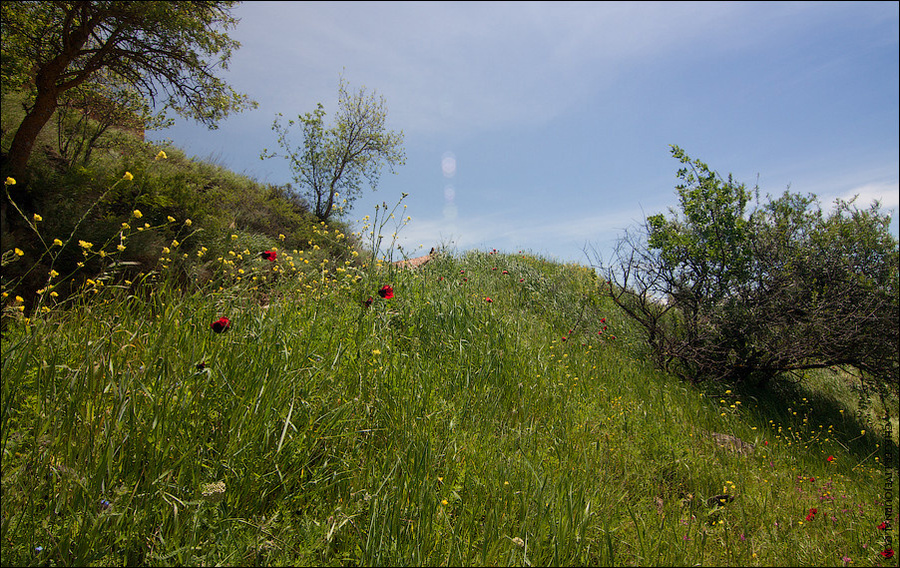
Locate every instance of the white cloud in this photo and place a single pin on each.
(887, 193)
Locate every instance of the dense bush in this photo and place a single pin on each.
(727, 294)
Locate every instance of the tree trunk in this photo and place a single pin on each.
(23, 142)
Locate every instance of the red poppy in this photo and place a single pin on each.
(564, 338)
(830, 458)
(488, 300)
(883, 526)
(269, 255)
(812, 514)
(368, 302)
(602, 320)
(505, 272)
(220, 325)
(887, 553)
(521, 280)
(386, 292)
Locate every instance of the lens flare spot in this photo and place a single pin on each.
(448, 164)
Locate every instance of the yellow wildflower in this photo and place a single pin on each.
(19, 252)
(128, 176)
(187, 222)
(85, 245)
(121, 247)
(137, 213)
(10, 181)
(171, 219)
(54, 274)
(38, 218)
(57, 242)
(161, 155)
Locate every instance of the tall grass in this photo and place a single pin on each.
(495, 411)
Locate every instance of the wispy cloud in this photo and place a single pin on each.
(459, 66)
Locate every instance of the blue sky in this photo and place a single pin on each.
(558, 116)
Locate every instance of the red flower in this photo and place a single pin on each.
(386, 292)
(505, 272)
(830, 458)
(812, 514)
(220, 325)
(521, 280)
(368, 302)
(564, 338)
(887, 553)
(269, 255)
(602, 320)
(883, 526)
(488, 300)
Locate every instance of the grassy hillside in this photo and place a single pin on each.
(493, 411)
(485, 409)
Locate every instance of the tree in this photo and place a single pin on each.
(336, 161)
(85, 113)
(166, 50)
(727, 294)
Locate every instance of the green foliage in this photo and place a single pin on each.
(333, 163)
(176, 197)
(732, 295)
(161, 52)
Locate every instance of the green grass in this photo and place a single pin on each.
(432, 428)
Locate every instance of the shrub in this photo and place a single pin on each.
(737, 297)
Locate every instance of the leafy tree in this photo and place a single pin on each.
(168, 49)
(336, 161)
(727, 294)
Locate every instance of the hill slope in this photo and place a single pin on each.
(490, 409)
